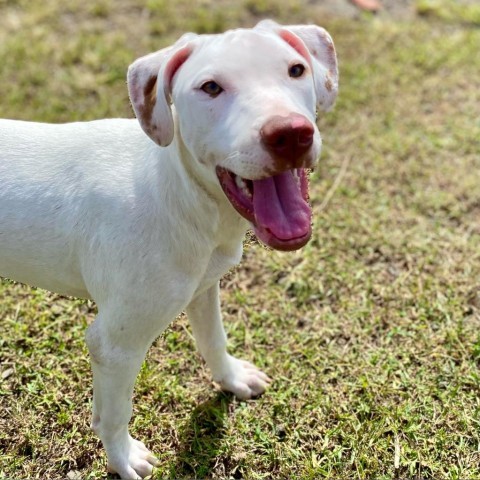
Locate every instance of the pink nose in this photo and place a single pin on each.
(287, 137)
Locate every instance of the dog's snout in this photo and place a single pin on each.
(287, 137)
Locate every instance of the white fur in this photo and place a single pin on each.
(97, 210)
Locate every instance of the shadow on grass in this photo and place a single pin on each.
(202, 446)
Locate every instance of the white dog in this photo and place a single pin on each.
(147, 228)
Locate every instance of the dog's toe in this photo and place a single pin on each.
(244, 379)
(137, 463)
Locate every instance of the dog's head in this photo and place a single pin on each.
(246, 104)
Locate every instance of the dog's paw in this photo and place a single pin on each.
(137, 463)
(243, 379)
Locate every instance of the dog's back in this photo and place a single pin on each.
(47, 174)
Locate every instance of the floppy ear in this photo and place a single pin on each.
(322, 57)
(149, 82)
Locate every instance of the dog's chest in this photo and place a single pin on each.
(221, 261)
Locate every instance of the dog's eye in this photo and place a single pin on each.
(296, 70)
(212, 88)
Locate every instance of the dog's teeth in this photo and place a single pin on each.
(240, 182)
(296, 176)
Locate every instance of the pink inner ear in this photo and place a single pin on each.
(174, 64)
(297, 44)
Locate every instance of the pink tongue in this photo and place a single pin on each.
(280, 208)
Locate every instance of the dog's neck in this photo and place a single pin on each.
(199, 199)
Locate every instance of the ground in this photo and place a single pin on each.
(371, 332)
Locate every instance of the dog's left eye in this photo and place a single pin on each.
(296, 70)
(212, 88)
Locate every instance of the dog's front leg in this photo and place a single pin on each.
(234, 375)
(117, 354)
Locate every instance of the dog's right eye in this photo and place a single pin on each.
(296, 71)
(212, 88)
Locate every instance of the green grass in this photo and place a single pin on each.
(371, 332)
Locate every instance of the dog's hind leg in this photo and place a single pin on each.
(234, 375)
(117, 350)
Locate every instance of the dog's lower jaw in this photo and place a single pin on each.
(276, 206)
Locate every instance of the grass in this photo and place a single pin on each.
(371, 332)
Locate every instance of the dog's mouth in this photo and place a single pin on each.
(277, 206)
